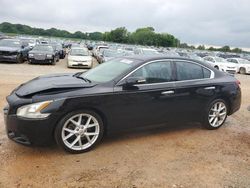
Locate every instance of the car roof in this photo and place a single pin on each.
(154, 57)
(146, 58)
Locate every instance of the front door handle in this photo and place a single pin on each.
(167, 92)
(209, 88)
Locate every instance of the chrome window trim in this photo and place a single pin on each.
(170, 60)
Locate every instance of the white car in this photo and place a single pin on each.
(80, 58)
(243, 65)
(221, 64)
(146, 51)
(97, 49)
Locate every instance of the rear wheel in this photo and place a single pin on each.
(242, 70)
(79, 131)
(216, 114)
(216, 67)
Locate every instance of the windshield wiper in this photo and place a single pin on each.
(85, 79)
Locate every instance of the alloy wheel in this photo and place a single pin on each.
(80, 131)
(217, 114)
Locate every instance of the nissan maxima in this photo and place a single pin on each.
(76, 110)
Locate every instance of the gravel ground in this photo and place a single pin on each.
(180, 156)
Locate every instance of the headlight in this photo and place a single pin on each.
(49, 56)
(33, 111)
(31, 55)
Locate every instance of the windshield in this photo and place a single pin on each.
(218, 59)
(109, 70)
(79, 52)
(43, 48)
(10, 43)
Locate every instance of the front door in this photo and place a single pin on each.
(148, 103)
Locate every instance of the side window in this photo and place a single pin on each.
(155, 72)
(190, 71)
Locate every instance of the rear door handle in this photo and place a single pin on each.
(167, 92)
(209, 88)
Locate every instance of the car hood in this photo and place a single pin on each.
(80, 58)
(40, 52)
(227, 64)
(52, 84)
(9, 49)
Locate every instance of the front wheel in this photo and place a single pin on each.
(242, 70)
(216, 114)
(79, 131)
(20, 59)
(53, 61)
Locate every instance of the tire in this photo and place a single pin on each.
(242, 70)
(54, 61)
(216, 114)
(78, 138)
(20, 59)
(217, 67)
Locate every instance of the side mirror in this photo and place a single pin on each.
(131, 81)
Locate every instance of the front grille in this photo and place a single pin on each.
(80, 65)
(231, 71)
(79, 61)
(40, 57)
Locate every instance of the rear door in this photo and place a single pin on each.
(193, 89)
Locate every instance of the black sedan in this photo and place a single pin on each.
(43, 54)
(76, 110)
(12, 50)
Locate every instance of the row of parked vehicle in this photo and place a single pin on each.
(81, 53)
(227, 62)
(34, 51)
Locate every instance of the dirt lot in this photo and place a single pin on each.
(183, 156)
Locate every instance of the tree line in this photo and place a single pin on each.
(202, 47)
(142, 36)
(6, 27)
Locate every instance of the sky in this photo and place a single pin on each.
(209, 22)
